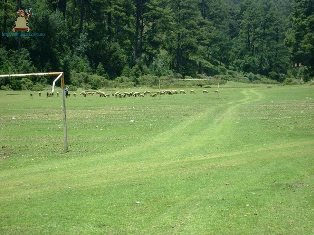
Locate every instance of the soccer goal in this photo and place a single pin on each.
(58, 75)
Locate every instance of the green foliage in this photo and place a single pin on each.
(161, 38)
(95, 81)
(292, 81)
(38, 87)
(100, 70)
(26, 84)
(301, 37)
(149, 80)
(123, 81)
(15, 61)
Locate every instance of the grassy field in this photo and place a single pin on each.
(240, 163)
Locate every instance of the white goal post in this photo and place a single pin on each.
(59, 75)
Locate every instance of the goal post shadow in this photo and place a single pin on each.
(60, 75)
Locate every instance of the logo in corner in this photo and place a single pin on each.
(21, 23)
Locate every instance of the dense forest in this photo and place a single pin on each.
(99, 41)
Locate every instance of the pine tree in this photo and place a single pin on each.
(302, 35)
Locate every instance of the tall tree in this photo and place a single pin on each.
(302, 39)
(184, 46)
(139, 28)
(261, 46)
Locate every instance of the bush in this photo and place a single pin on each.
(95, 81)
(277, 76)
(217, 79)
(38, 87)
(87, 86)
(266, 80)
(252, 77)
(222, 70)
(79, 79)
(124, 82)
(292, 81)
(5, 87)
(72, 88)
(26, 84)
(202, 76)
(148, 80)
(300, 73)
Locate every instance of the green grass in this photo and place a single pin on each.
(240, 163)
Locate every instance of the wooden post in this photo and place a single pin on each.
(65, 128)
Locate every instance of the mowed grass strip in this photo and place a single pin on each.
(189, 164)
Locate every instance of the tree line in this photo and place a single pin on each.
(129, 39)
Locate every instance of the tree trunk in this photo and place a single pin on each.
(82, 11)
(62, 6)
(5, 16)
(139, 29)
(109, 23)
(203, 8)
(179, 54)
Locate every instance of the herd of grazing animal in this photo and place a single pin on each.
(119, 94)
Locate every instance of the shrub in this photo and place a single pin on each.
(26, 84)
(95, 81)
(5, 87)
(252, 77)
(292, 81)
(38, 87)
(148, 80)
(16, 84)
(124, 82)
(72, 88)
(266, 80)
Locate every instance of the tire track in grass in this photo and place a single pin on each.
(222, 124)
(118, 174)
(197, 131)
(190, 132)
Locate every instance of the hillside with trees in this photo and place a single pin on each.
(99, 41)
